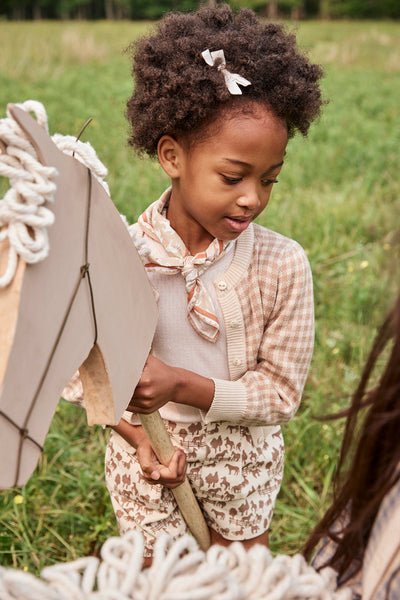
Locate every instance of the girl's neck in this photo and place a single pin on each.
(195, 239)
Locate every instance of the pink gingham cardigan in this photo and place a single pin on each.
(266, 297)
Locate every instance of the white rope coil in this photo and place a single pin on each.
(24, 215)
(180, 571)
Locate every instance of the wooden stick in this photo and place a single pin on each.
(184, 496)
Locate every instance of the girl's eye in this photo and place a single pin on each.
(231, 180)
(269, 181)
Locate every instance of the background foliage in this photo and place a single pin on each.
(338, 195)
(153, 9)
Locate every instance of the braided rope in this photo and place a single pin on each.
(24, 216)
(180, 571)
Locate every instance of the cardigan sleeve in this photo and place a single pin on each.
(73, 391)
(269, 392)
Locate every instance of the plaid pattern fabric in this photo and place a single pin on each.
(324, 553)
(379, 578)
(382, 556)
(267, 300)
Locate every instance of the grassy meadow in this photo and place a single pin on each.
(338, 195)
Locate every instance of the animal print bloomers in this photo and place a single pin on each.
(235, 472)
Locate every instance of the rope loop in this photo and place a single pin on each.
(180, 571)
(25, 213)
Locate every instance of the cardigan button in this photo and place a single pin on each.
(237, 362)
(235, 324)
(222, 285)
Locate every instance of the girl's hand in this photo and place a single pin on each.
(156, 387)
(154, 472)
(161, 383)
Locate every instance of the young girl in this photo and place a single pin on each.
(216, 98)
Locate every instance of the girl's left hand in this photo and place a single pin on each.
(156, 387)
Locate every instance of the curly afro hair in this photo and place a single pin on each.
(177, 93)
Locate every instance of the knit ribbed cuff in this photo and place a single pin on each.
(229, 402)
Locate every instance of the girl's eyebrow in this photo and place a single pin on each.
(245, 164)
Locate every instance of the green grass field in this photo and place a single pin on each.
(338, 196)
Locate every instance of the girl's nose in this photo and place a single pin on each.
(249, 199)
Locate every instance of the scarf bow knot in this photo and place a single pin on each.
(169, 255)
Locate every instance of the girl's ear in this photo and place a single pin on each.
(169, 155)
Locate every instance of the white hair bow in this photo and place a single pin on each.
(232, 80)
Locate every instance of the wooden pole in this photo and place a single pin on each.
(184, 496)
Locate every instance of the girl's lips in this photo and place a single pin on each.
(238, 224)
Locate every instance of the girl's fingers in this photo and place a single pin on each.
(176, 469)
(181, 464)
(148, 462)
(154, 472)
(170, 476)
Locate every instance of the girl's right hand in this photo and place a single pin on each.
(154, 472)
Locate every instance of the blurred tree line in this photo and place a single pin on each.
(154, 9)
